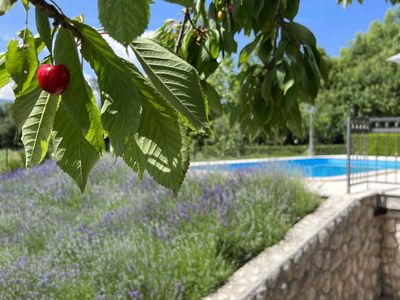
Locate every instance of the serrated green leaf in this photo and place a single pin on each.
(37, 128)
(4, 76)
(73, 153)
(77, 98)
(175, 80)
(185, 3)
(95, 134)
(43, 27)
(24, 104)
(160, 145)
(120, 96)
(124, 20)
(22, 63)
(6, 5)
(134, 157)
(214, 99)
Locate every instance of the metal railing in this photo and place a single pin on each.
(372, 150)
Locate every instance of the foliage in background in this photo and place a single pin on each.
(9, 137)
(11, 160)
(361, 78)
(214, 152)
(125, 239)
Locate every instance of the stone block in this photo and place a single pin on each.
(323, 238)
(310, 293)
(389, 225)
(336, 240)
(390, 241)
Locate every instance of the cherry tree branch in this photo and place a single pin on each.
(57, 15)
(181, 31)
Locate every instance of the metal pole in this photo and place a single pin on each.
(348, 149)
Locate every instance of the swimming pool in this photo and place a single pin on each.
(309, 167)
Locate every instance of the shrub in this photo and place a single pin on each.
(129, 239)
(15, 160)
(382, 144)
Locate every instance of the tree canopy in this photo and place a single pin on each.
(148, 116)
(361, 78)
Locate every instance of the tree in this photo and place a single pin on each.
(362, 79)
(148, 117)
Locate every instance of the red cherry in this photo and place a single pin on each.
(53, 79)
(230, 8)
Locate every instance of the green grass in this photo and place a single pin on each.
(15, 160)
(125, 239)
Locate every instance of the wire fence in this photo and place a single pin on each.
(372, 151)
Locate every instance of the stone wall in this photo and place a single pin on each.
(334, 253)
(391, 255)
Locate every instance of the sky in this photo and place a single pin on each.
(332, 25)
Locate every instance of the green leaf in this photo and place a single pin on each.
(256, 7)
(300, 33)
(37, 128)
(77, 98)
(43, 27)
(73, 153)
(294, 122)
(22, 63)
(165, 148)
(24, 104)
(175, 80)
(134, 157)
(25, 3)
(284, 83)
(291, 9)
(124, 20)
(4, 76)
(186, 3)
(5, 6)
(95, 134)
(214, 99)
(266, 86)
(120, 96)
(161, 145)
(248, 49)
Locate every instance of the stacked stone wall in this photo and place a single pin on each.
(391, 255)
(341, 251)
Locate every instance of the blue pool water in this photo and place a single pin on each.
(310, 167)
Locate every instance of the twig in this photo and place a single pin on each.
(57, 15)
(181, 31)
(58, 7)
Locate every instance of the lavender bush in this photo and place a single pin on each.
(126, 239)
